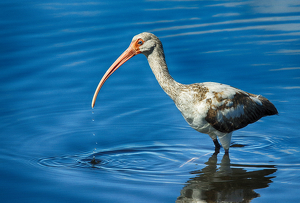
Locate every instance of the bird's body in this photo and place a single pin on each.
(211, 108)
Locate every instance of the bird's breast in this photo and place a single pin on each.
(193, 110)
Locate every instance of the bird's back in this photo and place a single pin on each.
(224, 107)
(235, 109)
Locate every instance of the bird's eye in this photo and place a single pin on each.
(140, 42)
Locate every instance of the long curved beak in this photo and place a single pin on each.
(127, 54)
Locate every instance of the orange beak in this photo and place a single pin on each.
(131, 51)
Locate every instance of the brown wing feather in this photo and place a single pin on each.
(252, 111)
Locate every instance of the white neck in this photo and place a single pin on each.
(156, 60)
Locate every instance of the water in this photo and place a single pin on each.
(135, 146)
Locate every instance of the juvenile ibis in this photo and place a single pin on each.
(211, 108)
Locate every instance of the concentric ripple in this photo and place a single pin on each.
(252, 140)
(150, 159)
(144, 160)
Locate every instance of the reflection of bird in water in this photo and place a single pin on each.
(226, 183)
(212, 108)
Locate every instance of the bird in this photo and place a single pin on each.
(211, 108)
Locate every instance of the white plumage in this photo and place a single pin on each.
(211, 108)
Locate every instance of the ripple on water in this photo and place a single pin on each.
(153, 158)
(251, 140)
(147, 161)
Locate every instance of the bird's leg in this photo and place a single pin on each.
(227, 152)
(217, 146)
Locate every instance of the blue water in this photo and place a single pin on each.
(134, 146)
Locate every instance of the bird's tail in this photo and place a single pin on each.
(269, 108)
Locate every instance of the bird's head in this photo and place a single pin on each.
(143, 43)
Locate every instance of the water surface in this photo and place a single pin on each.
(134, 146)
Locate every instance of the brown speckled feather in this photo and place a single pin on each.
(252, 112)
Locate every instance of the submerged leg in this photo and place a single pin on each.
(226, 151)
(215, 140)
(213, 136)
(217, 146)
